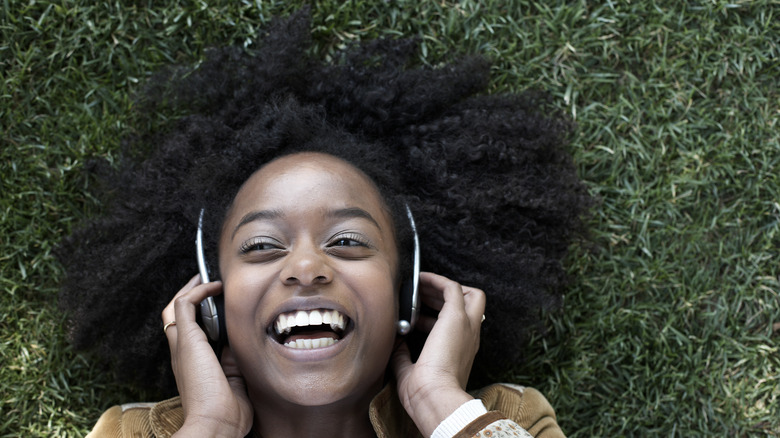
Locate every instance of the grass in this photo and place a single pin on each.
(671, 322)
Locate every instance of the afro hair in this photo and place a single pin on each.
(493, 189)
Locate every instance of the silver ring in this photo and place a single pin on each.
(483, 317)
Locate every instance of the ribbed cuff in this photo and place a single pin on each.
(465, 414)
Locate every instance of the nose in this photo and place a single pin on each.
(306, 265)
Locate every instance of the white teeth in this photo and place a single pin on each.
(310, 344)
(284, 323)
(281, 324)
(338, 321)
(301, 319)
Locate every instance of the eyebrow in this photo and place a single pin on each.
(256, 216)
(341, 213)
(353, 212)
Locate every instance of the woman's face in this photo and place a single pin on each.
(309, 266)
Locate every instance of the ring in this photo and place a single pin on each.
(483, 317)
(165, 327)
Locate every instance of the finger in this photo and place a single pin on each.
(451, 291)
(185, 304)
(432, 298)
(474, 301)
(435, 299)
(425, 323)
(184, 308)
(401, 360)
(168, 313)
(229, 364)
(232, 373)
(440, 290)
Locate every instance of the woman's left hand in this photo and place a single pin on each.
(434, 386)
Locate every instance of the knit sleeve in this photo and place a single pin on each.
(516, 406)
(130, 420)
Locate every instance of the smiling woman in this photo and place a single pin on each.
(320, 259)
(306, 171)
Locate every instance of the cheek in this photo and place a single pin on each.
(375, 285)
(380, 301)
(244, 291)
(383, 307)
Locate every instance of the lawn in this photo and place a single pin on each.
(672, 319)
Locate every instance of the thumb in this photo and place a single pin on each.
(238, 387)
(229, 365)
(402, 361)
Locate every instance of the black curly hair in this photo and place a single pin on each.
(494, 192)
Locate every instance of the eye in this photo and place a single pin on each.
(344, 241)
(349, 246)
(348, 240)
(260, 244)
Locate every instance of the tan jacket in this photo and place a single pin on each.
(525, 407)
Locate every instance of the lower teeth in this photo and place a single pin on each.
(310, 343)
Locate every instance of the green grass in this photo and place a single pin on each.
(671, 323)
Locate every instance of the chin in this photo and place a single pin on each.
(324, 389)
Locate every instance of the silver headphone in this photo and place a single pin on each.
(210, 314)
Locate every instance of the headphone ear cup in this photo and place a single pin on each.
(211, 318)
(219, 300)
(408, 298)
(405, 306)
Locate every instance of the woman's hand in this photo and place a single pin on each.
(434, 386)
(213, 396)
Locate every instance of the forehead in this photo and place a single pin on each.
(306, 181)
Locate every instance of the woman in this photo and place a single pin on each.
(305, 172)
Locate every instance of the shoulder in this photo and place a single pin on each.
(158, 420)
(525, 406)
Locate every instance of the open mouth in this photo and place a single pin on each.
(310, 329)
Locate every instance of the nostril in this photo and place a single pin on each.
(304, 277)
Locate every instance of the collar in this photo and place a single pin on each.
(386, 413)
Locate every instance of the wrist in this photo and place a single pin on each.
(207, 428)
(458, 420)
(430, 410)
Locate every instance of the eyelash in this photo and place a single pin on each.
(351, 237)
(261, 244)
(255, 244)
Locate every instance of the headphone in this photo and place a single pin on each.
(212, 309)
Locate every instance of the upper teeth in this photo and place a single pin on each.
(303, 318)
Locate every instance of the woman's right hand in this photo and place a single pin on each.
(213, 395)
